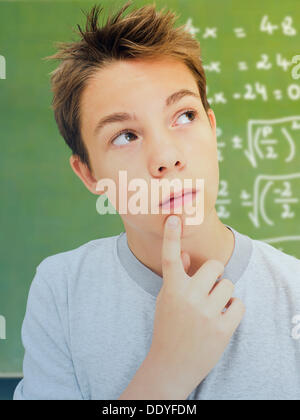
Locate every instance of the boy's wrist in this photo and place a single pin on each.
(161, 377)
(152, 383)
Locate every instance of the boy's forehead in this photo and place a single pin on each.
(133, 76)
(149, 65)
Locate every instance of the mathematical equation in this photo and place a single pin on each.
(272, 139)
(272, 199)
(286, 27)
(265, 63)
(267, 191)
(257, 90)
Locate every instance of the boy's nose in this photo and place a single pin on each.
(165, 157)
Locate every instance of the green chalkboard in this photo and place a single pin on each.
(253, 88)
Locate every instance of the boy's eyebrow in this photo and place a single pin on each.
(125, 116)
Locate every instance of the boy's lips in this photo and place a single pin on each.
(173, 196)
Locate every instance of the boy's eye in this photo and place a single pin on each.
(128, 133)
(193, 113)
(124, 134)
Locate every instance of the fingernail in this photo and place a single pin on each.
(173, 221)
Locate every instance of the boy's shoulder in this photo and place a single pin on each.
(284, 266)
(270, 251)
(89, 257)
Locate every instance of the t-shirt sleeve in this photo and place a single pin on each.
(48, 371)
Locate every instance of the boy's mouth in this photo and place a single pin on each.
(177, 199)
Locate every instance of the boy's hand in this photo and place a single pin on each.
(190, 330)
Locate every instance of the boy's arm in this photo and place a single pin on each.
(47, 367)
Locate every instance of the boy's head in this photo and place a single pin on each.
(143, 66)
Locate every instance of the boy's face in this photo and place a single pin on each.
(155, 140)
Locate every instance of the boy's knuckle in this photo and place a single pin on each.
(206, 314)
(228, 284)
(167, 261)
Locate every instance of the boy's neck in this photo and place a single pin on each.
(210, 240)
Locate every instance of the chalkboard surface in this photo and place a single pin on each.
(251, 53)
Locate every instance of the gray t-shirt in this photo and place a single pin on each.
(89, 322)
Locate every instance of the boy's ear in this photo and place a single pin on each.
(83, 172)
(212, 119)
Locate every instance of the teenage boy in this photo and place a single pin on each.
(157, 312)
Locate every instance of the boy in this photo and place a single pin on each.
(150, 313)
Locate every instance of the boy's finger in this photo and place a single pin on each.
(206, 276)
(172, 267)
(233, 314)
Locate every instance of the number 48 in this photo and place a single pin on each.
(286, 24)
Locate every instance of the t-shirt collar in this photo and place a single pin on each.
(152, 282)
